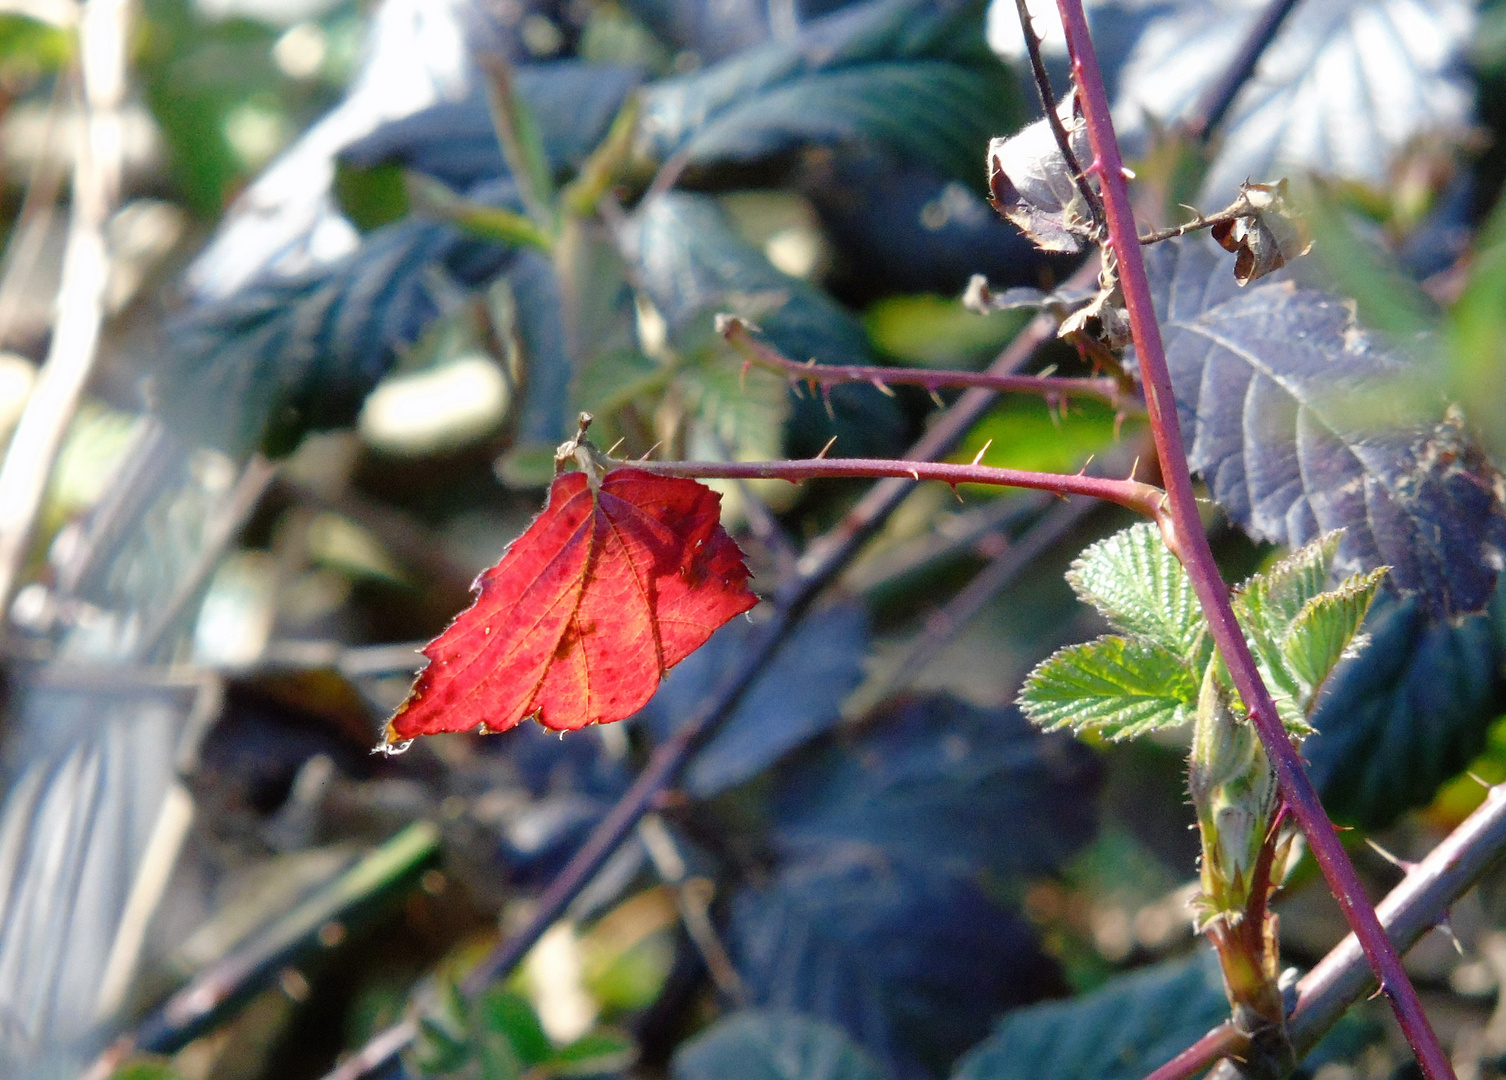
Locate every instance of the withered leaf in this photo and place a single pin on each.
(1032, 185)
(1266, 234)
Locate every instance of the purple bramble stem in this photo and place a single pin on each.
(1184, 534)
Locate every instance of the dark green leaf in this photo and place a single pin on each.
(502, 1012)
(764, 1044)
(1115, 687)
(1139, 586)
(1122, 1031)
(912, 74)
(1406, 714)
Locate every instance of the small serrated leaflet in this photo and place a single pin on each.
(608, 588)
(1116, 687)
(1138, 585)
(1325, 627)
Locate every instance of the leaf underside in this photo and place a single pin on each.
(589, 607)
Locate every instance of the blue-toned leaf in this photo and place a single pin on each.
(1122, 1031)
(572, 103)
(1267, 379)
(762, 1044)
(910, 961)
(942, 783)
(1407, 713)
(913, 75)
(693, 265)
(1343, 88)
(798, 697)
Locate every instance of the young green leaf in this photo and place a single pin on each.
(1326, 626)
(1117, 687)
(1140, 587)
(1268, 602)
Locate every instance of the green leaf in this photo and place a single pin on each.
(505, 1013)
(759, 1044)
(1122, 1031)
(1326, 625)
(1268, 602)
(602, 1051)
(146, 1068)
(1117, 687)
(1141, 588)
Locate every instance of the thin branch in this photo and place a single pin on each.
(736, 332)
(1145, 499)
(1183, 530)
(1222, 1042)
(824, 560)
(1214, 105)
(28, 463)
(1053, 118)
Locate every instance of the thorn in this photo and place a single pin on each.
(798, 386)
(1446, 928)
(1134, 468)
(831, 414)
(978, 457)
(915, 473)
(882, 388)
(955, 492)
(613, 448)
(1487, 785)
(825, 448)
(1047, 371)
(811, 362)
(935, 397)
(651, 449)
(1128, 173)
(1120, 416)
(1084, 470)
(742, 377)
(1379, 990)
(1399, 863)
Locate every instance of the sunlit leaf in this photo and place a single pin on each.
(1140, 587)
(1117, 687)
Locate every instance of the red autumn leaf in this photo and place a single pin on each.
(602, 594)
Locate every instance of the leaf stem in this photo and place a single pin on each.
(1143, 498)
(736, 331)
(1184, 535)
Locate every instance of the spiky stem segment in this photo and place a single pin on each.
(1184, 534)
(1052, 388)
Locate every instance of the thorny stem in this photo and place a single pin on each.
(1050, 387)
(1053, 118)
(1198, 222)
(822, 562)
(1343, 976)
(1184, 535)
(1143, 498)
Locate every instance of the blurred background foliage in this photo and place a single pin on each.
(357, 287)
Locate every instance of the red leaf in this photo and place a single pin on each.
(602, 594)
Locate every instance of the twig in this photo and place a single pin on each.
(1053, 118)
(754, 351)
(822, 562)
(1183, 529)
(81, 296)
(1214, 104)
(1145, 499)
(1343, 976)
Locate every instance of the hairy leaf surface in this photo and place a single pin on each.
(602, 594)
(1138, 585)
(1285, 404)
(765, 1044)
(1116, 687)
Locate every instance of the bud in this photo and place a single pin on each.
(1234, 793)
